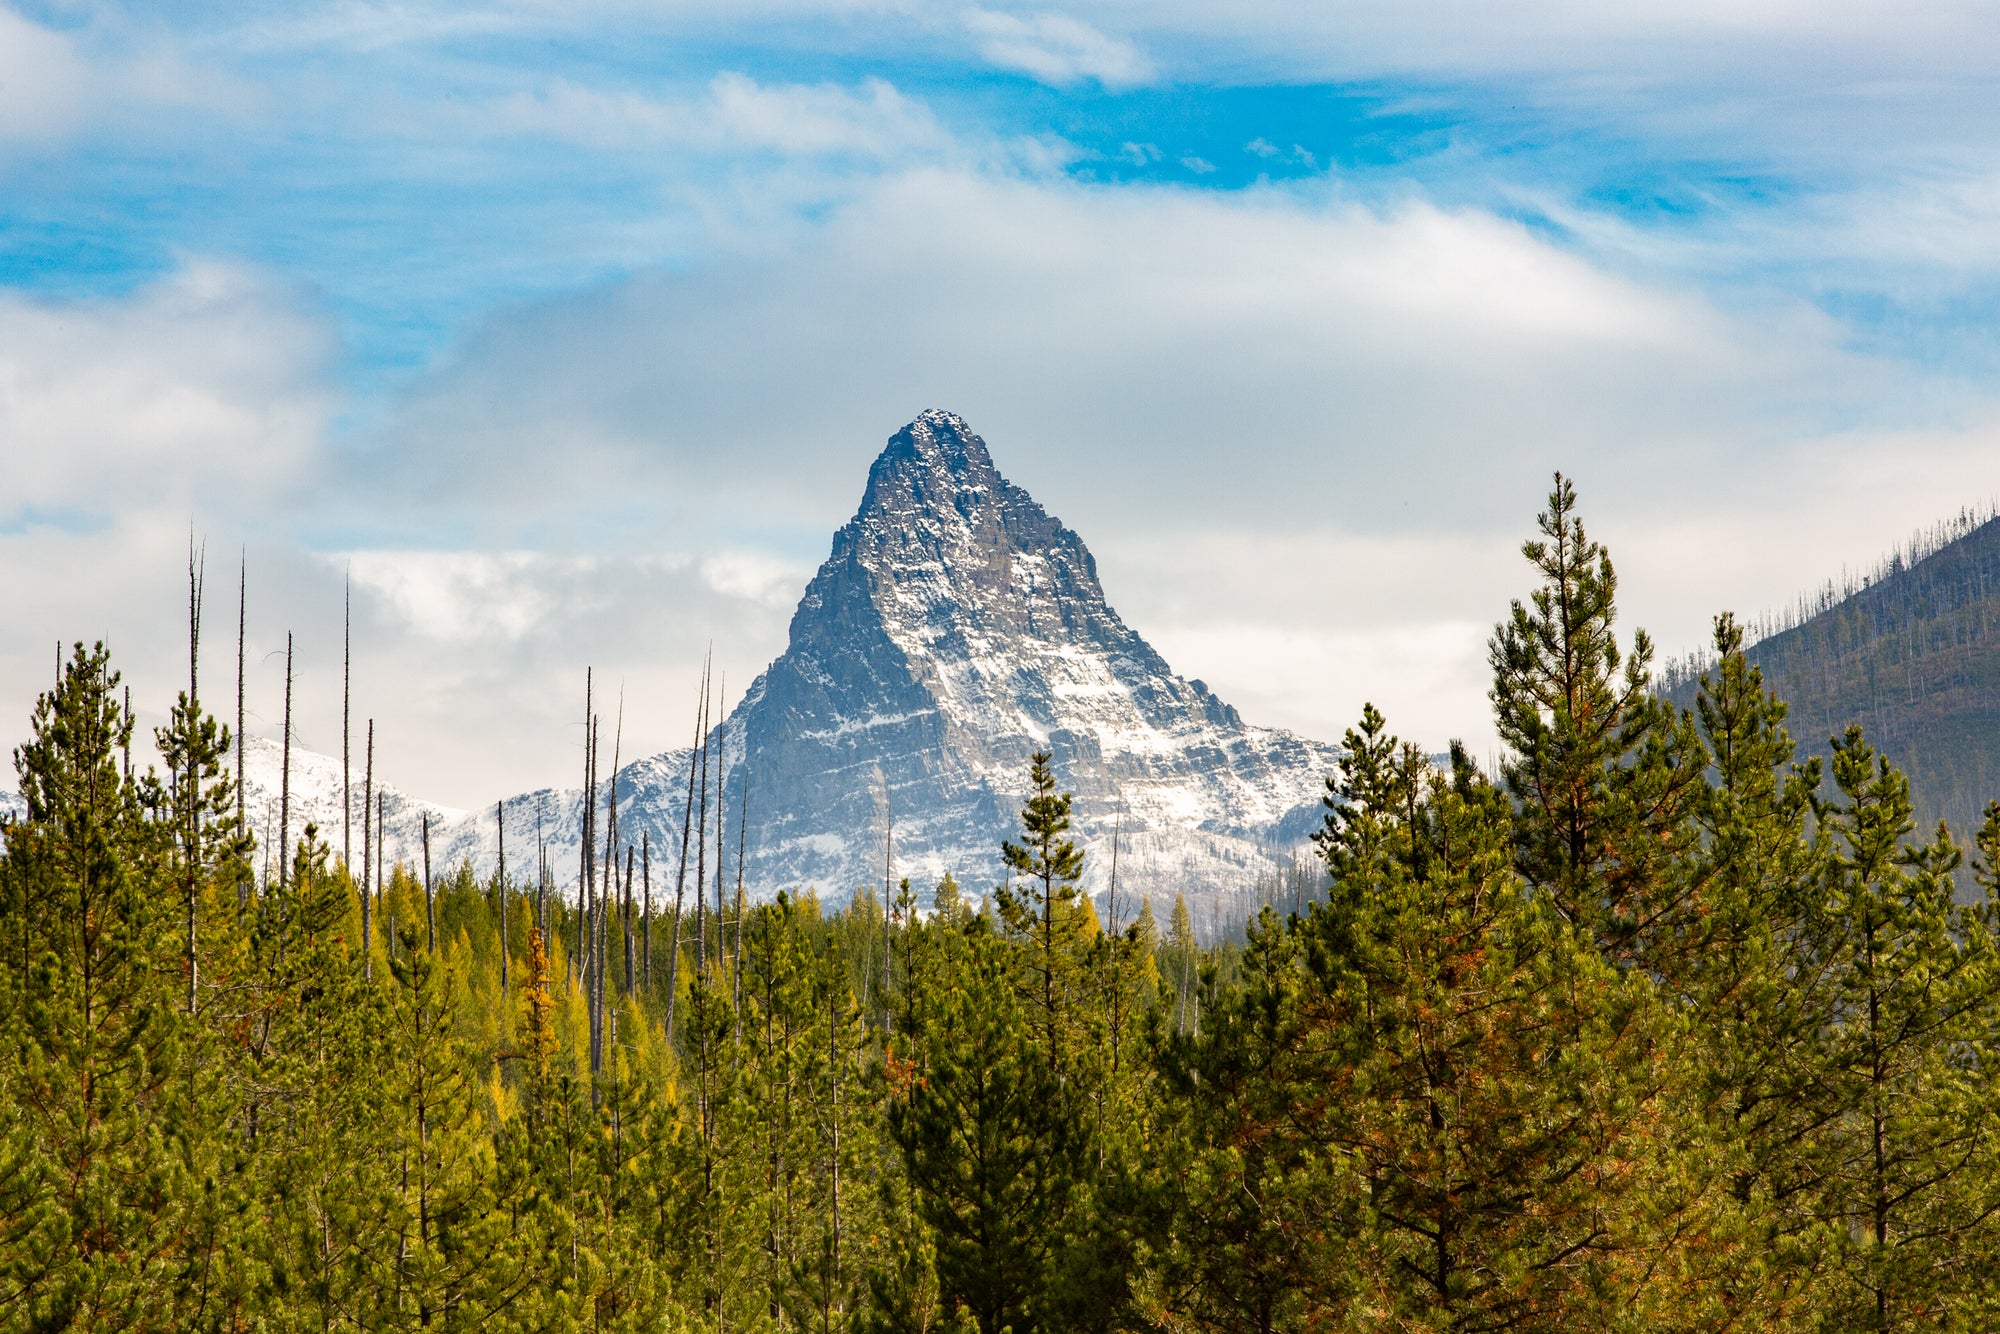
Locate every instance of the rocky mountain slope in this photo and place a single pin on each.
(1912, 653)
(956, 628)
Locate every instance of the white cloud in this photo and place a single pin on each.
(874, 120)
(1341, 418)
(735, 114)
(205, 384)
(1057, 49)
(469, 596)
(1303, 435)
(56, 84)
(756, 576)
(43, 80)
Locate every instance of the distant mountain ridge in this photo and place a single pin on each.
(1912, 653)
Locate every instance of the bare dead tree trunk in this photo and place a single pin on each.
(285, 774)
(611, 858)
(593, 922)
(680, 881)
(190, 790)
(430, 900)
(646, 908)
(742, 845)
(382, 819)
(888, 893)
(701, 842)
(833, 1069)
(347, 731)
(587, 846)
(721, 814)
(243, 886)
(500, 823)
(631, 973)
(368, 861)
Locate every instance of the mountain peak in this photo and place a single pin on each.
(932, 462)
(955, 629)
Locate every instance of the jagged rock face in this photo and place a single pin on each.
(956, 628)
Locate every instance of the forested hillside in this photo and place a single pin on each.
(1913, 653)
(1637, 1034)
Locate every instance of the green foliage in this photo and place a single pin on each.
(991, 1141)
(1601, 772)
(1660, 1028)
(1045, 908)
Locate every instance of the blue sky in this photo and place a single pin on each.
(570, 329)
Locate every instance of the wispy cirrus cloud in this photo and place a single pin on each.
(1058, 49)
(733, 114)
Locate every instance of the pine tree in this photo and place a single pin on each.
(1182, 957)
(1910, 1176)
(1601, 772)
(1046, 908)
(1761, 1001)
(93, 1032)
(990, 1145)
(1432, 1097)
(453, 1262)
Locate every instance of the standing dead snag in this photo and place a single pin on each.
(888, 895)
(430, 903)
(631, 972)
(742, 845)
(587, 843)
(192, 779)
(346, 732)
(368, 861)
(680, 881)
(285, 775)
(721, 814)
(500, 823)
(646, 909)
(701, 843)
(606, 887)
(243, 885)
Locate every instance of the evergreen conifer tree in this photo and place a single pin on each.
(1601, 772)
(1046, 907)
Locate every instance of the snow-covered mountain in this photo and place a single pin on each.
(316, 796)
(956, 628)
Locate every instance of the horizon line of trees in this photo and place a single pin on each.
(1661, 1026)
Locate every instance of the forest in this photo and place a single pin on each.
(1673, 1022)
(1908, 650)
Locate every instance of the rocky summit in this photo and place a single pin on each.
(956, 628)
